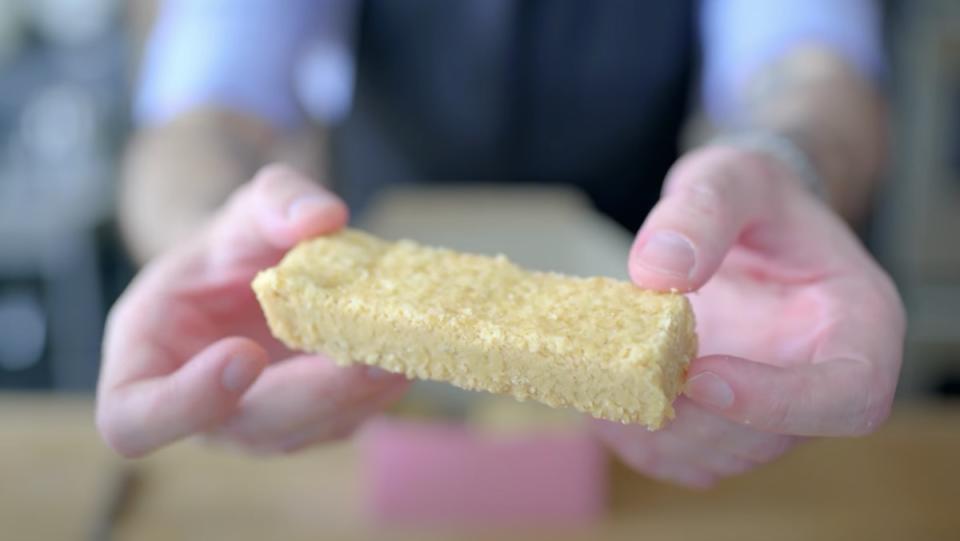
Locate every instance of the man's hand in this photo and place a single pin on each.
(187, 350)
(801, 332)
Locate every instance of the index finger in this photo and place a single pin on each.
(138, 416)
(168, 369)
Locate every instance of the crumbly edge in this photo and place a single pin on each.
(645, 396)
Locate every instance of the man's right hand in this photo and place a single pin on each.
(188, 352)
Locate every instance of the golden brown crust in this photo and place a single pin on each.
(602, 346)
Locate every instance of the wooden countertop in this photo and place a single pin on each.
(900, 483)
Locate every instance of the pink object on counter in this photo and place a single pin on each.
(420, 473)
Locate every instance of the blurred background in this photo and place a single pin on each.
(66, 73)
(66, 68)
(63, 120)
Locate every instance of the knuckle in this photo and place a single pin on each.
(272, 174)
(115, 436)
(640, 457)
(255, 449)
(703, 198)
(274, 447)
(288, 448)
(713, 195)
(641, 463)
(278, 181)
(690, 478)
(324, 399)
(343, 432)
(129, 308)
(734, 465)
(769, 448)
(241, 437)
(779, 414)
(322, 433)
(343, 390)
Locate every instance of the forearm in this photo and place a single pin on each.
(831, 112)
(178, 173)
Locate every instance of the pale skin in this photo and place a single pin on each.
(801, 331)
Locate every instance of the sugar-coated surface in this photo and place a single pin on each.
(599, 345)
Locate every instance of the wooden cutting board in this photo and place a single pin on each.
(900, 483)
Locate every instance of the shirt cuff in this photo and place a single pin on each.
(252, 56)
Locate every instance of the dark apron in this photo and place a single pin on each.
(589, 93)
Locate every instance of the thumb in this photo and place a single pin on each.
(710, 198)
(277, 209)
(839, 397)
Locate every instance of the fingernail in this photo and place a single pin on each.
(314, 203)
(709, 389)
(239, 374)
(667, 252)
